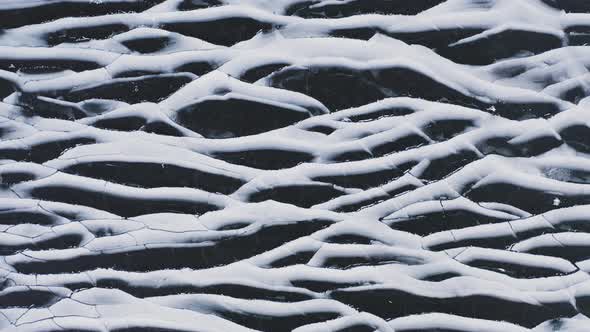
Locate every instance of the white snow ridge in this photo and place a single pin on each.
(294, 165)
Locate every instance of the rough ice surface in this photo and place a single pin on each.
(294, 165)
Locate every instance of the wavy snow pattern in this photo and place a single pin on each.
(294, 165)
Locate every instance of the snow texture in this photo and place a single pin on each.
(294, 165)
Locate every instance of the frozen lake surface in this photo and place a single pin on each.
(294, 165)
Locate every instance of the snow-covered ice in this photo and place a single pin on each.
(294, 165)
